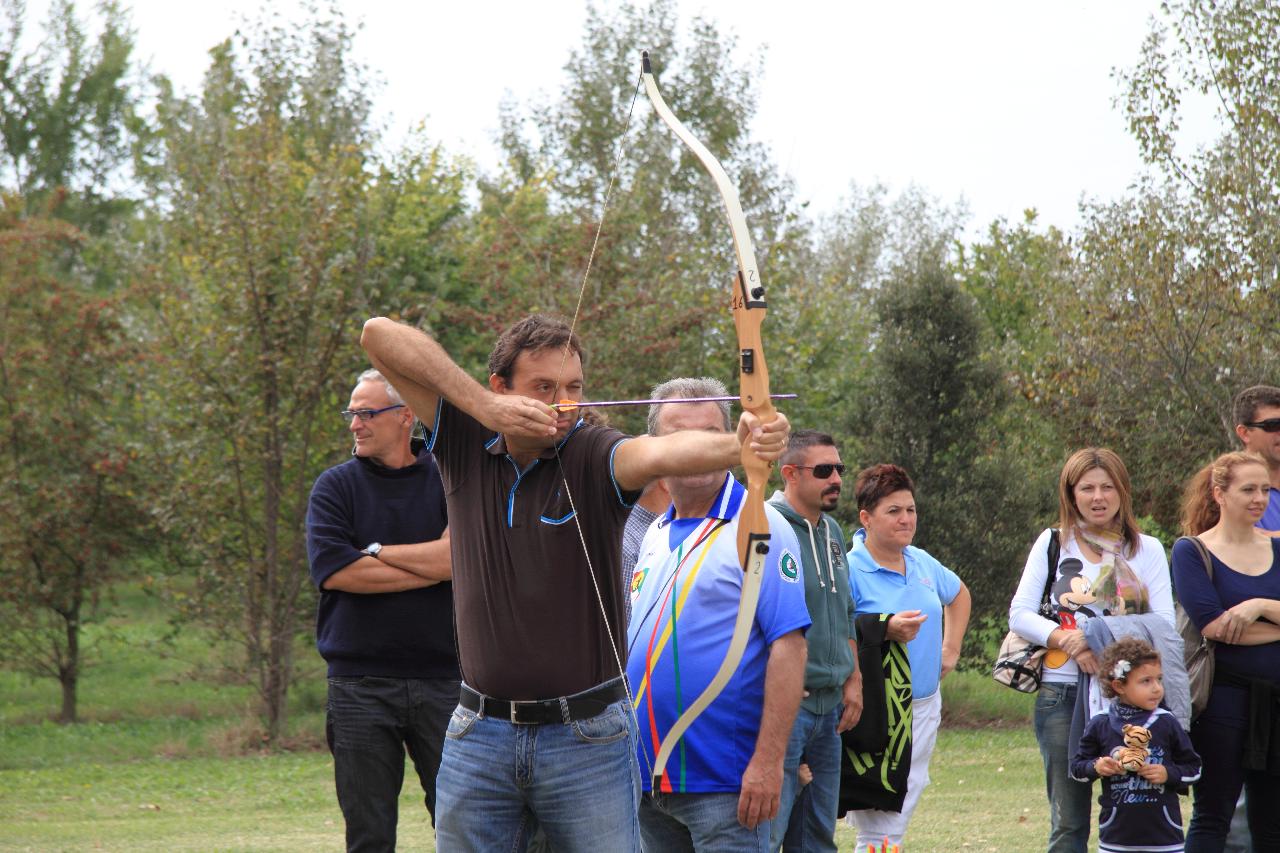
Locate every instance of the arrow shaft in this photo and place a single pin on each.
(567, 404)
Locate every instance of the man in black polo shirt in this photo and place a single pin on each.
(377, 540)
(544, 730)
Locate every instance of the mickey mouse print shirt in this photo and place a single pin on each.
(1074, 598)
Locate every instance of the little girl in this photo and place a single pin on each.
(1139, 808)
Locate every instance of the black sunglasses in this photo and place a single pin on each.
(1269, 425)
(824, 470)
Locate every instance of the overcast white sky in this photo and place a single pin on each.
(1008, 104)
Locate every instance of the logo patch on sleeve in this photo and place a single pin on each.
(788, 567)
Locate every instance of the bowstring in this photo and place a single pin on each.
(564, 359)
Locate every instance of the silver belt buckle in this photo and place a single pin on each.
(514, 721)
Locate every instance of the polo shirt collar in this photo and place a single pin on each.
(724, 507)
(860, 558)
(497, 445)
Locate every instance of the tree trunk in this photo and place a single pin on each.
(276, 694)
(69, 668)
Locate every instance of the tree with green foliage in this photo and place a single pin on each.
(72, 512)
(68, 117)
(1176, 299)
(275, 235)
(73, 509)
(1015, 275)
(860, 250)
(935, 401)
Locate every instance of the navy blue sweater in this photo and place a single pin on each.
(396, 634)
(1137, 814)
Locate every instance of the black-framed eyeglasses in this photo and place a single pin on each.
(824, 470)
(367, 414)
(1269, 425)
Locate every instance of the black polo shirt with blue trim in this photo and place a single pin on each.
(529, 625)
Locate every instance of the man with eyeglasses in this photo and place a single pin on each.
(538, 497)
(811, 474)
(377, 539)
(1257, 418)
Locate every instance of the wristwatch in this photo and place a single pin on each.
(374, 549)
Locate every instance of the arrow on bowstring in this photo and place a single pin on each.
(567, 405)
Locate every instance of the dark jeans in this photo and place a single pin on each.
(1221, 744)
(371, 721)
(794, 839)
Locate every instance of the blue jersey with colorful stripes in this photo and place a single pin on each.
(684, 602)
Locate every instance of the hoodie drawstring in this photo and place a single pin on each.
(831, 563)
(813, 547)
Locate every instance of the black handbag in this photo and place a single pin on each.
(1020, 661)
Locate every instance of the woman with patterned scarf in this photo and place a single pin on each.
(1105, 566)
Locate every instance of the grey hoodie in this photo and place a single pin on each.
(826, 593)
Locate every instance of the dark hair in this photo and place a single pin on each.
(800, 441)
(876, 483)
(1199, 509)
(532, 334)
(1136, 652)
(1247, 402)
(1082, 462)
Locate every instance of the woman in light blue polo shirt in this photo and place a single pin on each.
(930, 607)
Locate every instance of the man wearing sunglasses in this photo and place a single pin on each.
(379, 550)
(1257, 417)
(811, 474)
(538, 498)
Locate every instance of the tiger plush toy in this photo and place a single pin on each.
(1134, 753)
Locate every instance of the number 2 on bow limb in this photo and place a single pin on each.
(749, 309)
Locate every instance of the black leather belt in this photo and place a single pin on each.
(580, 706)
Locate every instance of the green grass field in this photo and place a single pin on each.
(171, 760)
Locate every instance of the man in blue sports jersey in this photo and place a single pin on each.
(722, 784)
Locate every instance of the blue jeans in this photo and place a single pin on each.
(370, 723)
(706, 823)
(814, 741)
(1069, 801)
(579, 781)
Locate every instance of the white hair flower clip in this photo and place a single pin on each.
(1121, 669)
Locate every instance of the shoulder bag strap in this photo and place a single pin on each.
(1055, 549)
(1205, 558)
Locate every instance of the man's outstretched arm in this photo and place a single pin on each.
(423, 373)
(646, 458)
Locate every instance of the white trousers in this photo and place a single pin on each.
(874, 826)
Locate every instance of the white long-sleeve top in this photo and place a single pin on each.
(1071, 594)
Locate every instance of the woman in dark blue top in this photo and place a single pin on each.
(1240, 611)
